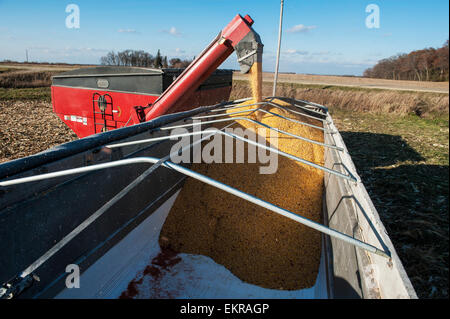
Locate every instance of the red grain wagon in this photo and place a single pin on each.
(100, 99)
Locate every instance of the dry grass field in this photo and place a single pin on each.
(25, 75)
(307, 79)
(350, 81)
(423, 104)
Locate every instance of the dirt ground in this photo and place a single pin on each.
(29, 127)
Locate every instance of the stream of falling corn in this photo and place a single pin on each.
(256, 81)
(256, 85)
(255, 244)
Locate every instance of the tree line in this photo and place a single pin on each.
(422, 65)
(141, 58)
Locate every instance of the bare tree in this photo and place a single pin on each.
(128, 58)
(428, 64)
(158, 60)
(178, 63)
(109, 59)
(142, 59)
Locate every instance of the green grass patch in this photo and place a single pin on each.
(4, 70)
(427, 137)
(40, 93)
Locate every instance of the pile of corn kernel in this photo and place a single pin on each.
(255, 244)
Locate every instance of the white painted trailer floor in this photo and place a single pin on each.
(184, 276)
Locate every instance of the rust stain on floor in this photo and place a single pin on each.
(166, 259)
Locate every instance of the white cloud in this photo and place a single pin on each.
(66, 51)
(178, 50)
(298, 57)
(81, 50)
(172, 31)
(127, 31)
(67, 54)
(301, 28)
(292, 51)
(322, 53)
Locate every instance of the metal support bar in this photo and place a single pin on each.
(209, 181)
(233, 106)
(271, 113)
(258, 123)
(309, 109)
(306, 109)
(272, 104)
(321, 107)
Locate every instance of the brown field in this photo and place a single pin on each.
(323, 80)
(26, 75)
(40, 66)
(26, 79)
(424, 104)
(368, 83)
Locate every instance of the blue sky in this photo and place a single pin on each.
(319, 37)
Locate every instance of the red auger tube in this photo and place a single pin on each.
(202, 67)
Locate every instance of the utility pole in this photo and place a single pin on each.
(275, 79)
(26, 52)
